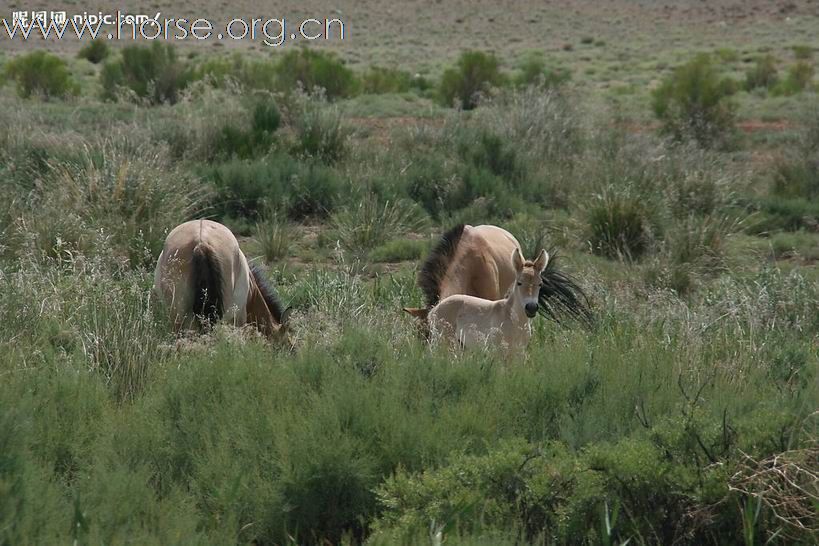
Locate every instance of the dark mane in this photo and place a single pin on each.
(436, 264)
(560, 293)
(268, 294)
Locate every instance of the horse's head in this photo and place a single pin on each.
(421, 314)
(280, 333)
(528, 280)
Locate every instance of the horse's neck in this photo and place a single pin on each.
(513, 309)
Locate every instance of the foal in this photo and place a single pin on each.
(475, 322)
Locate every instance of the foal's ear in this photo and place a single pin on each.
(285, 321)
(541, 261)
(417, 312)
(517, 260)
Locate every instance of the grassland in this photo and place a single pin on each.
(687, 413)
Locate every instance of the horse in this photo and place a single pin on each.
(202, 276)
(476, 261)
(469, 321)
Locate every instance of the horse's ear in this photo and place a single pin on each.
(517, 260)
(285, 321)
(541, 261)
(417, 312)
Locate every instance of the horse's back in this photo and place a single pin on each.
(482, 266)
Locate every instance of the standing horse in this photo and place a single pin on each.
(476, 322)
(477, 261)
(203, 276)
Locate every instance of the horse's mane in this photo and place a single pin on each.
(561, 293)
(268, 294)
(437, 263)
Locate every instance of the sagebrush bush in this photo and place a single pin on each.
(377, 80)
(222, 71)
(41, 74)
(244, 188)
(312, 70)
(320, 131)
(95, 52)
(764, 74)
(534, 72)
(799, 77)
(694, 102)
(475, 73)
(152, 73)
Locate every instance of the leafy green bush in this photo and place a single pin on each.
(694, 102)
(95, 52)
(764, 74)
(248, 142)
(41, 73)
(802, 52)
(474, 74)
(379, 80)
(312, 70)
(153, 73)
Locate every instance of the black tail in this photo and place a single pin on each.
(207, 284)
(436, 264)
(560, 295)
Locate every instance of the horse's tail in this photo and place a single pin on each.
(208, 301)
(560, 295)
(437, 263)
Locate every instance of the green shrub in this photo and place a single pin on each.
(694, 103)
(620, 225)
(534, 72)
(274, 235)
(312, 70)
(41, 73)
(152, 73)
(474, 74)
(95, 52)
(248, 142)
(366, 225)
(802, 52)
(319, 131)
(302, 189)
(119, 200)
(800, 75)
(253, 74)
(378, 80)
(764, 74)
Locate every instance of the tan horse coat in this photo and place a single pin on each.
(202, 272)
(469, 321)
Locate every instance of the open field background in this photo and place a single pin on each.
(686, 414)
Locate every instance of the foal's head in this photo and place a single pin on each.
(528, 280)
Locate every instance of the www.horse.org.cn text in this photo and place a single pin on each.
(60, 25)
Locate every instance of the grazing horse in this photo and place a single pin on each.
(203, 276)
(476, 261)
(478, 322)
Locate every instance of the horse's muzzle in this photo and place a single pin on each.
(531, 310)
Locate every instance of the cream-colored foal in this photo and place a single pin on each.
(475, 322)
